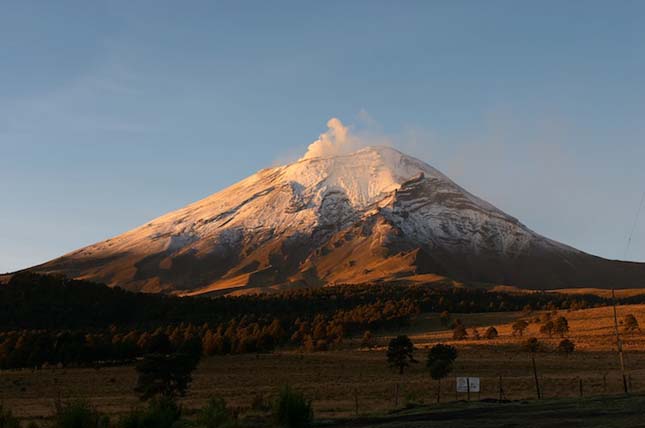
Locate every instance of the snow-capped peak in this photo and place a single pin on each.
(332, 216)
(364, 176)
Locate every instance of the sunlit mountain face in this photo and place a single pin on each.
(371, 215)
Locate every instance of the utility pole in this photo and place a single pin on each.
(619, 343)
(537, 382)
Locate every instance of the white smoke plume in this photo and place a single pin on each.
(337, 140)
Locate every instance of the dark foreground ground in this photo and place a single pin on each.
(606, 412)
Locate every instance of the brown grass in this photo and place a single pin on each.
(331, 378)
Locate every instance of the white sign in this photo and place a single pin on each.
(467, 384)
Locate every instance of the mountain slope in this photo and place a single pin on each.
(375, 214)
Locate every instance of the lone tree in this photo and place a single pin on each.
(491, 333)
(630, 324)
(561, 326)
(566, 347)
(532, 346)
(400, 353)
(440, 362)
(165, 375)
(519, 327)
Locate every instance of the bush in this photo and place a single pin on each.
(532, 345)
(566, 347)
(162, 412)
(7, 420)
(260, 404)
(459, 332)
(367, 342)
(630, 324)
(561, 326)
(548, 328)
(216, 414)
(167, 375)
(444, 318)
(78, 414)
(491, 333)
(292, 410)
(519, 327)
(476, 334)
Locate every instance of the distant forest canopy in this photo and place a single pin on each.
(51, 320)
(34, 301)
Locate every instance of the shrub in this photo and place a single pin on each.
(78, 414)
(519, 327)
(547, 328)
(162, 412)
(532, 345)
(444, 317)
(491, 333)
(165, 375)
(459, 332)
(260, 404)
(412, 399)
(292, 410)
(561, 326)
(216, 414)
(7, 420)
(476, 334)
(630, 324)
(566, 347)
(367, 342)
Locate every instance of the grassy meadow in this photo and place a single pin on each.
(351, 381)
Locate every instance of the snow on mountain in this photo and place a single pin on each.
(374, 214)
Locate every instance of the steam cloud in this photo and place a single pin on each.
(337, 140)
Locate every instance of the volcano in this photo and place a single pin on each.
(372, 215)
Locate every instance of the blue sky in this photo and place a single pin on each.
(114, 114)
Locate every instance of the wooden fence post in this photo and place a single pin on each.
(501, 390)
(396, 395)
(604, 383)
(619, 343)
(356, 401)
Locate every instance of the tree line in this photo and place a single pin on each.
(33, 301)
(51, 320)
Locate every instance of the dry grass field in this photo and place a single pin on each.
(336, 380)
